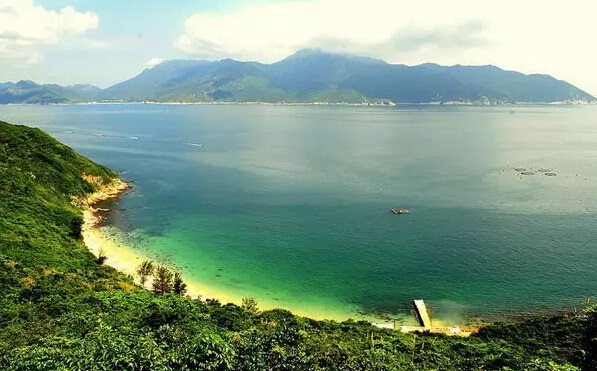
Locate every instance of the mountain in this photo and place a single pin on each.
(312, 75)
(26, 91)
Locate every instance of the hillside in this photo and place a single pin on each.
(61, 309)
(32, 93)
(317, 76)
(310, 76)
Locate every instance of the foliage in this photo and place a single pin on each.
(162, 280)
(250, 305)
(178, 286)
(59, 310)
(101, 256)
(145, 270)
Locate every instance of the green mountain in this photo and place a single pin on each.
(316, 76)
(310, 76)
(33, 93)
(62, 309)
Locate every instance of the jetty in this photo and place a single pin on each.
(422, 314)
(425, 325)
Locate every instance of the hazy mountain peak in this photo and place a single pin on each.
(26, 84)
(312, 53)
(83, 87)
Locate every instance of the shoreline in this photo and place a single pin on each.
(388, 104)
(126, 260)
(122, 257)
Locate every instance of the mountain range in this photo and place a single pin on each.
(310, 76)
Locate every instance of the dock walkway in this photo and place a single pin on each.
(422, 314)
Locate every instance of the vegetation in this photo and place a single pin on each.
(162, 280)
(145, 270)
(178, 286)
(101, 256)
(60, 310)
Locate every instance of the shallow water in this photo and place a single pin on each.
(291, 204)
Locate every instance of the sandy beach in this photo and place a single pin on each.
(122, 257)
(126, 259)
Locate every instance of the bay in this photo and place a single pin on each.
(291, 204)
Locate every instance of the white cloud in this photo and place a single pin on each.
(530, 36)
(25, 27)
(153, 62)
(99, 44)
(34, 59)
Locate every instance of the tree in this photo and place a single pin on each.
(101, 256)
(179, 286)
(250, 305)
(145, 270)
(162, 280)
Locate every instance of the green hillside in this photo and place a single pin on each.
(30, 92)
(313, 75)
(60, 309)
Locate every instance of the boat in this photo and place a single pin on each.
(400, 210)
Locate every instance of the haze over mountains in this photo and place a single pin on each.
(310, 76)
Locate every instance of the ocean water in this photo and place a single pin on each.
(291, 204)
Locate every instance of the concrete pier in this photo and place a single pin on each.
(422, 314)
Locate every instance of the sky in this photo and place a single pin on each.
(103, 42)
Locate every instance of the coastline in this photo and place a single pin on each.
(126, 259)
(343, 104)
(122, 257)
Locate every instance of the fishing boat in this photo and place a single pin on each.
(400, 210)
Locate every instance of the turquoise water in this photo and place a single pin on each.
(290, 204)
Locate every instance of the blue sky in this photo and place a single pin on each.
(106, 41)
(130, 32)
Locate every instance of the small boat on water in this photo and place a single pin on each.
(400, 210)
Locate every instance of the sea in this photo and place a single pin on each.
(291, 204)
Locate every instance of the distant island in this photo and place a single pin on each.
(310, 76)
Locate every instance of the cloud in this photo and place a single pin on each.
(153, 62)
(25, 27)
(462, 36)
(34, 59)
(99, 44)
(268, 32)
(529, 36)
(465, 35)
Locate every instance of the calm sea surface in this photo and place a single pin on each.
(291, 204)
